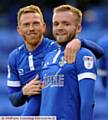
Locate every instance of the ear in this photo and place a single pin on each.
(79, 28)
(44, 27)
(19, 30)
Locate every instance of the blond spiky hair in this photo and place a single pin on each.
(28, 9)
(70, 8)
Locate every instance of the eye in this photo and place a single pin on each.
(66, 23)
(55, 24)
(26, 24)
(36, 23)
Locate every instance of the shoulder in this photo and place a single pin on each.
(85, 51)
(84, 55)
(51, 54)
(50, 41)
(85, 61)
(16, 52)
(50, 44)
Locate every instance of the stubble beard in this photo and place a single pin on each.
(32, 40)
(65, 40)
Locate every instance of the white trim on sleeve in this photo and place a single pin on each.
(11, 83)
(87, 75)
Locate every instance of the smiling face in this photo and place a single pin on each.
(32, 28)
(65, 27)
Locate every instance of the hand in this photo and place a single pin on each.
(33, 87)
(71, 50)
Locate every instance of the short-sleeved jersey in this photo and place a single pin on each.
(61, 84)
(24, 65)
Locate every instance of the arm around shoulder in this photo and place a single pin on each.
(95, 48)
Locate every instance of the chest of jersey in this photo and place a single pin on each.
(55, 69)
(60, 83)
(28, 66)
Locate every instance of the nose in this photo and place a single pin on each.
(31, 27)
(60, 27)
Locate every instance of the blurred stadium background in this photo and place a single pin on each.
(95, 26)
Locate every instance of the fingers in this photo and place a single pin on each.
(35, 80)
(30, 89)
(35, 90)
(71, 50)
(70, 56)
(36, 77)
(33, 87)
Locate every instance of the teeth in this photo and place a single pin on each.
(59, 34)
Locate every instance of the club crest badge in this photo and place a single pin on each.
(62, 61)
(88, 62)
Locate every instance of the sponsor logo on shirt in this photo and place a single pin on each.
(88, 62)
(21, 71)
(53, 81)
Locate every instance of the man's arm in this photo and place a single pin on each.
(14, 86)
(33, 106)
(95, 48)
(16, 96)
(19, 95)
(86, 88)
(73, 47)
(86, 71)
